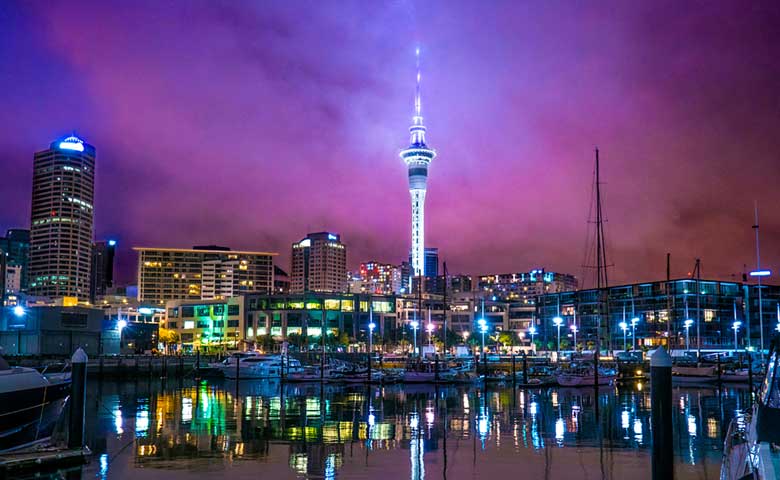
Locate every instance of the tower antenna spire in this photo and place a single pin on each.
(417, 99)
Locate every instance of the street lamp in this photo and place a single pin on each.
(687, 324)
(624, 326)
(371, 327)
(532, 332)
(483, 329)
(19, 311)
(735, 326)
(634, 321)
(558, 321)
(574, 330)
(414, 324)
(430, 328)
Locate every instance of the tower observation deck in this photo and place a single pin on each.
(418, 157)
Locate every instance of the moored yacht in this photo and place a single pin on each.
(750, 449)
(30, 404)
(256, 366)
(585, 375)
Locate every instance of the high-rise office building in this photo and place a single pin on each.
(417, 158)
(379, 278)
(201, 273)
(102, 277)
(62, 219)
(15, 246)
(319, 264)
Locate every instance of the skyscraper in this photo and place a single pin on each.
(319, 264)
(102, 268)
(62, 219)
(16, 248)
(417, 158)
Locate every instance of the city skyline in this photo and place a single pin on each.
(687, 145)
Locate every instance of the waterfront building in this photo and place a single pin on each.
(102, 275)
(281, 281)
(62, 219)
(252, 318)
(50, 330)
(15, 249)
(202, 272)
(319, 264)
(418, 157)
(525, 285)
(661, 310)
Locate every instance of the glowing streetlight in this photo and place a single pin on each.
(624, 326)
(558, 321)
(19, 311)
(371, 327)
(687, 324)
(414, 324)
(429, 328)
(532, 332)
(634, 321)
(483, 329)
(735, 326)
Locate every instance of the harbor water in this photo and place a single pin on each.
(156, 429)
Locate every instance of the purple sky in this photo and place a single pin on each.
(249, 124)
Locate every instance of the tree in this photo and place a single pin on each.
(168, 337)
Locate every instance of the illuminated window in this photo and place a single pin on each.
(331, 304)
(188, 324)
(709, 315)
(347, 305)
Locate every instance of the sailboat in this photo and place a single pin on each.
(749, 449)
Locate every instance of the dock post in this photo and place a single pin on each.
(78, 399)
(238, 370)
(514, 370)
(197, 363)
(525, 368)
(661, 416)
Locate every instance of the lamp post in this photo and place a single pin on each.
(573, 329)
(759, 274)
(687, 324)
(634, 321)
(430, 328)
(624, 326)
(532, 332)
(414, 324)
(735, 326)
(371, 327)
(483, 329)
(558, 321)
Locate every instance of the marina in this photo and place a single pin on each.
(155, 429)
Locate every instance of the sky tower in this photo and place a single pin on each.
(417, 157)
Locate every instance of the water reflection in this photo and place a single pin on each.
(152, 430)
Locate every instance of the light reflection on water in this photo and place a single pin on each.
(147, 429)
